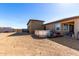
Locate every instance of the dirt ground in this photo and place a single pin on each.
(12, 44)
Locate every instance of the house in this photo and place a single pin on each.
(18, 30)
(24, 30)
(35, 25)
(63, 26)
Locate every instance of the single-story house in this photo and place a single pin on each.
(63, 26)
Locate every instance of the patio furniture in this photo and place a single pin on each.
(57, 34)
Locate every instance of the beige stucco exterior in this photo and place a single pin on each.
(35, 25)
(76, 27)
(18, 30)
(71, 21)
(50, 27)
(38, 25)
(68, 22)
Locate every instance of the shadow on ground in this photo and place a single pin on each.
(36, 37)
(67, 41)
(19, 34)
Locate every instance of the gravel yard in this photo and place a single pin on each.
(24, 45)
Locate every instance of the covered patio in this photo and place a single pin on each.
(67, 27)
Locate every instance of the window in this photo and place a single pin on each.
(65, 26)
(58, 26)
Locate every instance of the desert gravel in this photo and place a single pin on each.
(25, 45)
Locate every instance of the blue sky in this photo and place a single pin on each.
(17, 15)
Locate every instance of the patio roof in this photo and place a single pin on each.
(69, 18)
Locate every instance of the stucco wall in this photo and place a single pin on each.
(35, 25)
(50, 27)
(76, 27)
(54, 26)
(18, 30)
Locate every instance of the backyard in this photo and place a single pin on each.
(25, 45)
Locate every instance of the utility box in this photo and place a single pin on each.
(42, 33)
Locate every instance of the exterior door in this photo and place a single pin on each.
(71, 28)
